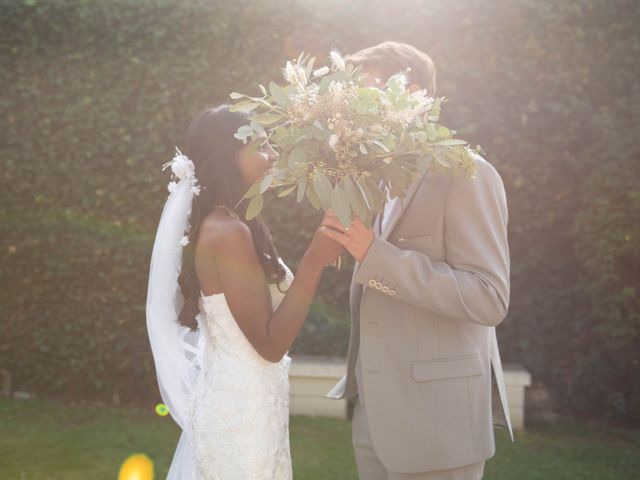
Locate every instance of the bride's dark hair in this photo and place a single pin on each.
(211, 146)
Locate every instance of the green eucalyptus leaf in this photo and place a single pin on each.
(257, 127)
(282, 163)
(340, 205)
(440, 157)
(245, 106)
(377, 196)
(324, 83)
(434, 112)
(253, 191)
(302, 184)
(266, 118)
(380, 145)
(265, 183)
(255, 207)
(323, 188)
(278, 94)
(287, 191)
(312, 196)
(357, 203)
(308, 70)
(297, 155)
(452, 142)
(361, 184)
(443, 132)
(243, 132)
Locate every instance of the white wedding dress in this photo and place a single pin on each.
(239, 416)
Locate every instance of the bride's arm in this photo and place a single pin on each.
(246, 291)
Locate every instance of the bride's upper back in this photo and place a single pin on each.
(217, 229)
(234, 284)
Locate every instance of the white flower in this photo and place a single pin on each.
(337, 60)
(420, 103)
(333, 141)
(422, 99)
(195, 189)
(302, 76)
(184, 241)
(320, 72)
(181, 166)
(289, 73)
(172, 186)
(295, 74)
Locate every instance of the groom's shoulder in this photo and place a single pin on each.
(484, 167)
(485, 171)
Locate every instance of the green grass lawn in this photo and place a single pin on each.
(44, 439)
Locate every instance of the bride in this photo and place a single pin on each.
(223, 309)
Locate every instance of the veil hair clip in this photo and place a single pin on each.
(182, 169)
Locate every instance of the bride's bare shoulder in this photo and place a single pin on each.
(221, 230)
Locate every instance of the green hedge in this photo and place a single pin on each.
(96, 94)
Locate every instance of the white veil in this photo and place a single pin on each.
(177, 350)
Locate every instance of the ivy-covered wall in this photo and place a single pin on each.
(94, 96)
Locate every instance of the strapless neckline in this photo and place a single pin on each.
(202, 295)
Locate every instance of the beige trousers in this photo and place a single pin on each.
(370, 467)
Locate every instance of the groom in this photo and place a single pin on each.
(430, 284)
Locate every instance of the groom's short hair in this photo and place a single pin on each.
(391, 57)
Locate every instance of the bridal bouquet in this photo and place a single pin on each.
(341, 142)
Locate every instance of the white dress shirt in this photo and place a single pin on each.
(389, 210)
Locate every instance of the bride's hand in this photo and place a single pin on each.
(323, 249)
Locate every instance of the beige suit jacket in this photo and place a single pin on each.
(425, 302)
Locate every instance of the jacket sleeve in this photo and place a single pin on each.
(472, 284)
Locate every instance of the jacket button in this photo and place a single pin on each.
(372, 283)
(385, 289)
(392, 292)
(378, 285)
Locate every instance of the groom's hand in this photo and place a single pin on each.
(356, 238)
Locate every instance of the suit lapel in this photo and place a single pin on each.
(404, 204)
(393, 221)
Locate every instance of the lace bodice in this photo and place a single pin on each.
(240, 411)
(222, 333)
